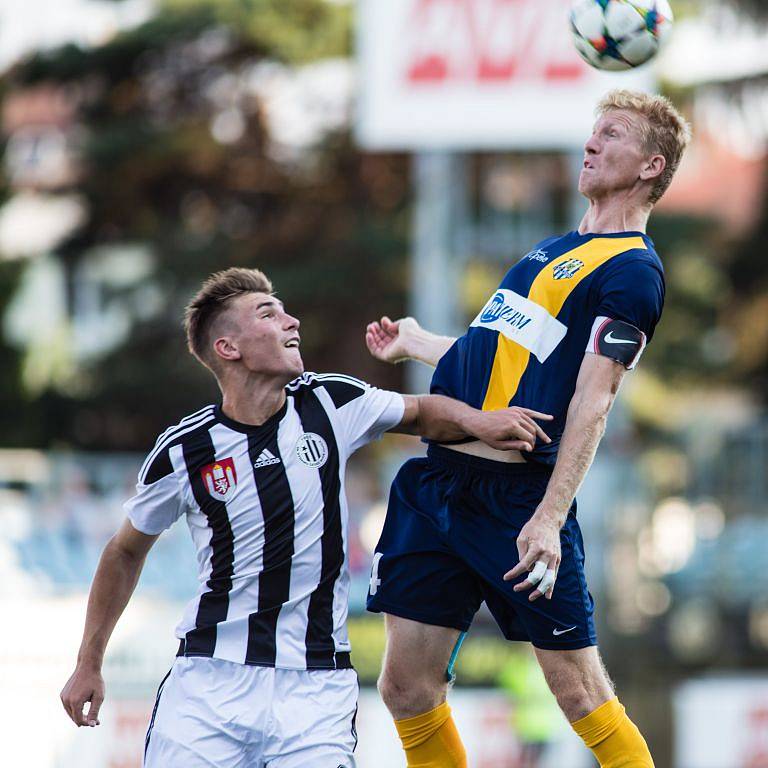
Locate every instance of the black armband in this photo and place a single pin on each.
(618, 340)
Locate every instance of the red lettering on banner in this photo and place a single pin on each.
(490, 42)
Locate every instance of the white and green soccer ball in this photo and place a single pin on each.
(620, 34)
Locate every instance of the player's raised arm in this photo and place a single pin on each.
(394, 341)
(443, 419)
(539, 541)
(116, 576)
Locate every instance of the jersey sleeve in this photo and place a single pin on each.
(628, 305)
(365, 412)
(632, 292)
(158, 502)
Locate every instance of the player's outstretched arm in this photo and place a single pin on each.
(538, 544)
(394, 341)
(443, 419)
(116, 576)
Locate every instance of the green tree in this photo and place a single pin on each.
(328, 226)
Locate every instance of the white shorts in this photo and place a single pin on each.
(211, 712)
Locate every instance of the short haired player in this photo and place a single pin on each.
(263, 675)
(468, 523)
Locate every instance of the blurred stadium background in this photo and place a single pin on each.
(384, 156)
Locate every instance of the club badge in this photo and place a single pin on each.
(220, 478)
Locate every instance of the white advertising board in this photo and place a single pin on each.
(722, 723)
(476, 74)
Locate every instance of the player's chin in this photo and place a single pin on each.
(587, 185)
(295, 364)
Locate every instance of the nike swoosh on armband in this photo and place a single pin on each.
(610, 339)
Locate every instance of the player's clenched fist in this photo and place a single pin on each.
(84, 686)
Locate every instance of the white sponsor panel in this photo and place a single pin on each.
(475, 74)
(722, 723)
(523, 321)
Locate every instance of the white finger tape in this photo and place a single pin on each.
(536, 575)
(547, 582)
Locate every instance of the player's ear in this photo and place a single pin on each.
(226, 348)
(653, 167)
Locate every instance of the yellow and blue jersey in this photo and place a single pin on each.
(526, 345)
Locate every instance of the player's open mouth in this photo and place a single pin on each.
(292, 343)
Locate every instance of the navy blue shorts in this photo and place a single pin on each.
(449, 538)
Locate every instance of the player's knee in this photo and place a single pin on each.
(576, 701)
(576, 693)
(409, 697)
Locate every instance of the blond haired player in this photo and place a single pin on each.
(468, 523)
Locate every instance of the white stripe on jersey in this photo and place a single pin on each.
(341, 377)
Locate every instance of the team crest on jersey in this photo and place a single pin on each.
(312, 450)
(220, 478)
(567, 269)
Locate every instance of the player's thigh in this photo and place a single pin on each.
(416, 652)
(189, 728)
(314, 719)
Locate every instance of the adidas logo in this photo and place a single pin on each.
(266, 458)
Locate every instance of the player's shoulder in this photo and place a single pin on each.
(340, 387)
(639, 262)
(642, 252)
(158, 462)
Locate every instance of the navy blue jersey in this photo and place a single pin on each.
(526, 345)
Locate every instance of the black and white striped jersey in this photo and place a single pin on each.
(268, 515)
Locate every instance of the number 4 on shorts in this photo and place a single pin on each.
(375, 582)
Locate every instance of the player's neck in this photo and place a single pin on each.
(605, 217)
(252, 400)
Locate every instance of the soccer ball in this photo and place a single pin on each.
(619, 34)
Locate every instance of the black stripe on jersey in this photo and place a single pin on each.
(319, 639)
(199, 452)
(342, 392)
(159, 468)
(275, 577)
(169, 438)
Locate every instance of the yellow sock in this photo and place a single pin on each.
(431, 740)
(613, 737)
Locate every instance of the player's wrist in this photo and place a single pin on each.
(551, 514)
(470, 421)
(90, 659)
(416, 343)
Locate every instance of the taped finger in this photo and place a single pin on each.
(547, 582)
(537, 574)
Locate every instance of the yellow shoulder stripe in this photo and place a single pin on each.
(511, 359)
